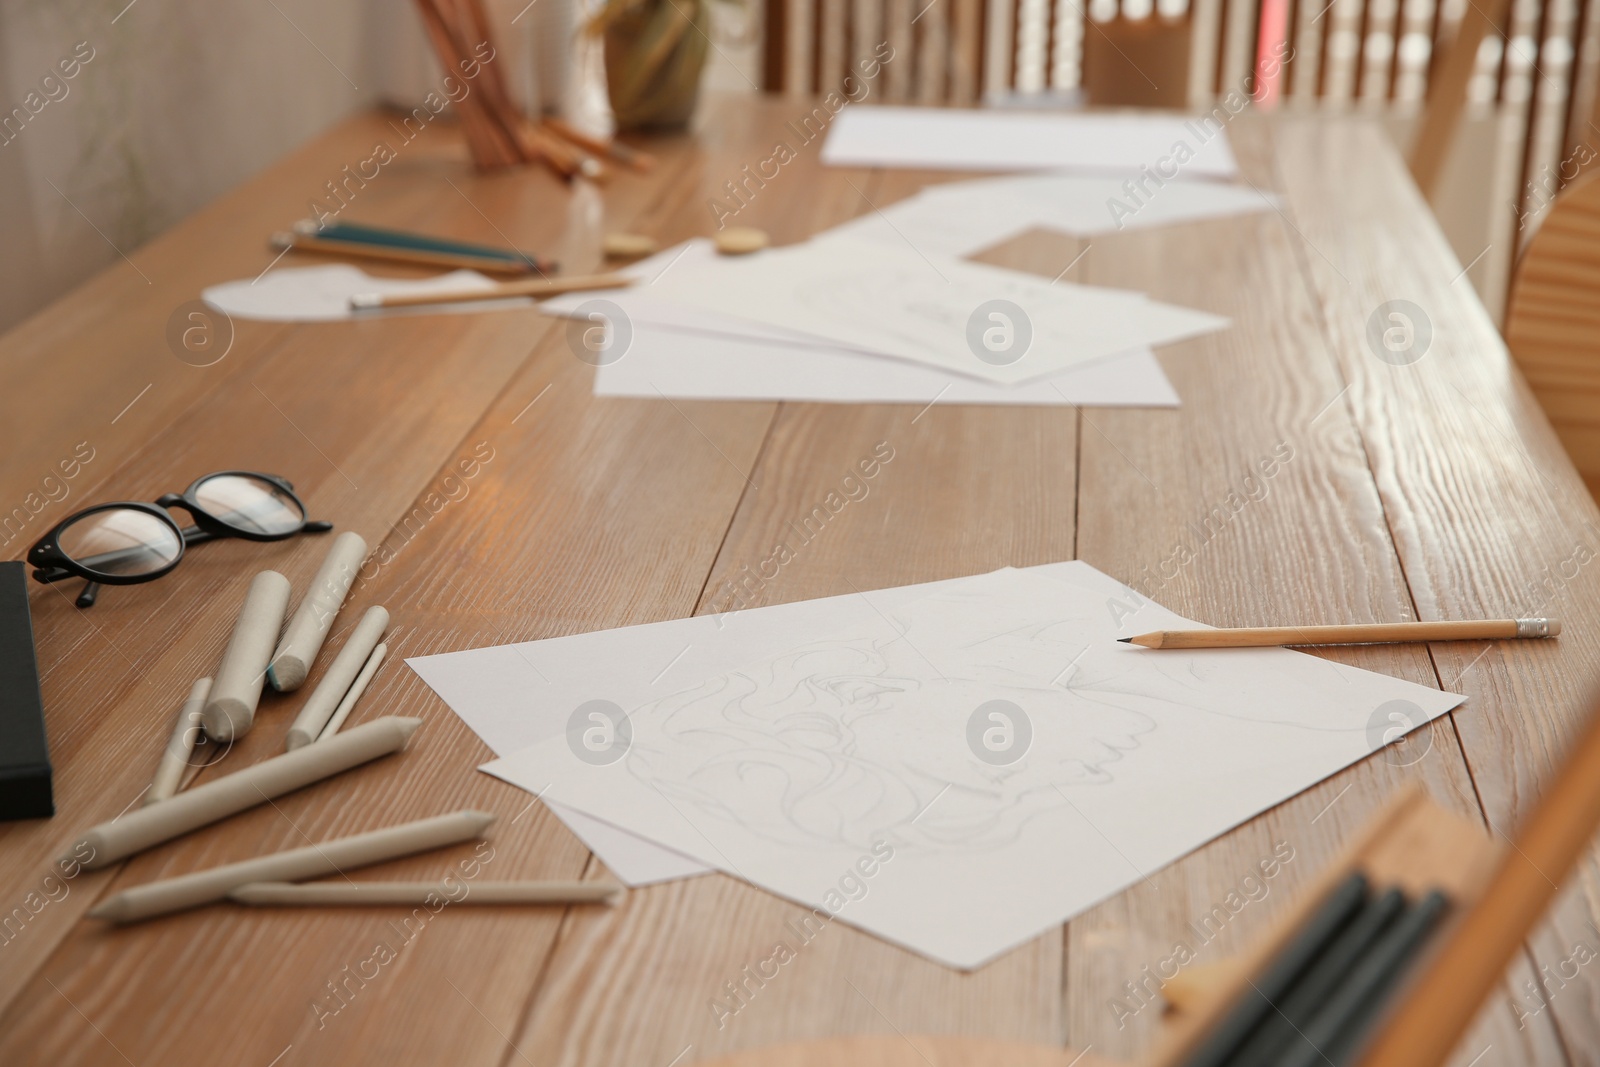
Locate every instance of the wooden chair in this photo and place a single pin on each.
(1553, 323)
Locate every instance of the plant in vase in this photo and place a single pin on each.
(655, 51)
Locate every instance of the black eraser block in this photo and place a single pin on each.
(24, 753)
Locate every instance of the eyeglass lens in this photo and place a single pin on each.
(249, 504)
(121, 542)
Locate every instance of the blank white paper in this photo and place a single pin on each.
(633, 860)
(989, 139)
(964, 217)
(322, 294)
(707, 366)
(795, 769)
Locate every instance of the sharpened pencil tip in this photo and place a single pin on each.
(1125, 640)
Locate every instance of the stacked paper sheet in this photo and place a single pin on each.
(989, 139)
(964, 217)
(955, 767)
(836, 318)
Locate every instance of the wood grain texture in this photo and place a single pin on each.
(1433, 490)
(1308, 539)
(911, 1051)
(1485, 510)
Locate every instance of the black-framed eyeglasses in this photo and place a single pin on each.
(129, 542)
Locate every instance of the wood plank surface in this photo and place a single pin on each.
(1433, 489)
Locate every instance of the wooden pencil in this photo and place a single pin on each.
(632, 158)
(490, 143)
(1373, 634)
(533, 287)
(342, 894)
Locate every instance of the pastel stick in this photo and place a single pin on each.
(230, 710)
(313, 619)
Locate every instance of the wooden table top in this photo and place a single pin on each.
(1432, 490)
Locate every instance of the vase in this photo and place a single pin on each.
(655, 52)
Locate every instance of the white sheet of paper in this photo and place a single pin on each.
(513, 696)
(322, 294)
(990, 139)
(685, 352)
(964, 217)
(696, 365)
(801, 769)
(632, 859)
(934, 311)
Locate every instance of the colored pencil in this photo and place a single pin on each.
(1427, 1026)
(1256, 1004)
(1295, 1012)
(1341, 1023)
(345, 238)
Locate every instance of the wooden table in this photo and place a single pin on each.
(1432, 490)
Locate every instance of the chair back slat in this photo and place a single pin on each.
(1531, 66)
(1553, 322)
(999, 52)
(966, 51)
(798, 20)
(831, 46)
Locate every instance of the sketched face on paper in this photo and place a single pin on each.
(830, 745)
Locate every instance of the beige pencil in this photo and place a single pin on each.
(230, 708)
(357, 687)
(175, 757)
(202, 805)
(340, 894)
(1378, 633)
(534, 287)
(313, 861)
(324, 699)
(312, 620)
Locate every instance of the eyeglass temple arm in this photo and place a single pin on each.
(85, 599)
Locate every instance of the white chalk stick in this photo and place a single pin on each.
(324, 699)
(258, 783)
(230, 710)
(313, 619)
(357, 687)
(313, 861)
(175, 757)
